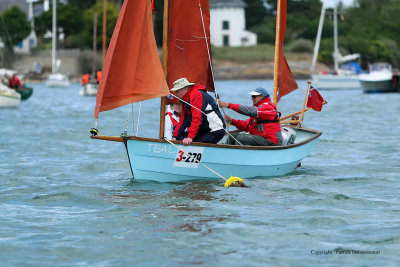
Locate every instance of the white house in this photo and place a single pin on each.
(228, 24)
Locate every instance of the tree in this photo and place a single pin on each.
(255, 12)
(112, 17)
(14, 26)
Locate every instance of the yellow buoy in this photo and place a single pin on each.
(235, 182)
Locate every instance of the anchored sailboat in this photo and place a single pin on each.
(55, 79)
(345, 76)
(186, 53)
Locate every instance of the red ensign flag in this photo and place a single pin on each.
(315, 100)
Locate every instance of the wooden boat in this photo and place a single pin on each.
(90, 88)
(9, 97)
(25, 93)
(186, 53)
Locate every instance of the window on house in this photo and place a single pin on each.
(225, 40)
(225, 25)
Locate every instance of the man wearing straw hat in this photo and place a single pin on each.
(263, 125)
(200, 114)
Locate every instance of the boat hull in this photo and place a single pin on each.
(157, 160)
(89, 89)
(9, 99)
(329, 81)
(57, 80)
(25, 93)
(378, 86)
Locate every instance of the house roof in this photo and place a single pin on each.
(227, 3)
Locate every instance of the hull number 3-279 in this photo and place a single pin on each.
(188, 157)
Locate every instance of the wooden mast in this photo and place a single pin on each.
(164, 64)
(277, 43)
(104, 28)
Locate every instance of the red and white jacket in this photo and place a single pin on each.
(263, 121)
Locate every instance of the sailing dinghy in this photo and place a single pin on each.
(132, 72)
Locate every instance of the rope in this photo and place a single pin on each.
(209, 60)
(207, 117)
(133, 119)
(138, 123)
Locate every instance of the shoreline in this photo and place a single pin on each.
(225, 70)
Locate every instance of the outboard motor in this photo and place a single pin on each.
(288, 136)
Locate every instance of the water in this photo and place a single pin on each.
(67, 200)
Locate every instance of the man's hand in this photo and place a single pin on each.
(228, 119)
(223, 104)
(187, 141)
(173, 139)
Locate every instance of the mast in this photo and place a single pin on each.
(335, 38)
(94, 45)
(277, 41)
(318, 40)
(164, 63)
(104, 28)
(54, 37)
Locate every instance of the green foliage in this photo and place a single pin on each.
(264, 52)
(78, 29)
(14, 26)
(82, 5)
(88, 16)
(255, 12)
(264, 34)
(301, 45)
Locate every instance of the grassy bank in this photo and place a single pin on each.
(258, 53)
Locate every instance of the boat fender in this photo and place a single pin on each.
(234, 182)
(94, 131)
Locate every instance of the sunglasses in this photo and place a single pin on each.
(254, 96)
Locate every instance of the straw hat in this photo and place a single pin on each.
(180, 84)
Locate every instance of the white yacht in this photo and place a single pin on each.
(379, 78)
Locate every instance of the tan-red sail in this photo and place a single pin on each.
(187, 47)
(132, 70)
(286, 81)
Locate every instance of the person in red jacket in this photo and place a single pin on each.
(263, 125)
(85, 78)
(200, 114)
(14, 82)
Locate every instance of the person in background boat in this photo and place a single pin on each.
(201, 128)
(263, 124)
(14, 82)
(98, 76)
(85, 78)
(172, 119)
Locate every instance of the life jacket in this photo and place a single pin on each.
(98, 75)
(14, 83)
(267, 124)
(85, 79)
(174, 122)
(210, 122)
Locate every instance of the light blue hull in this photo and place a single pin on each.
(157, 160)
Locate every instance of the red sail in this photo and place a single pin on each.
(188, 54)
(286, 81)
(132, 70)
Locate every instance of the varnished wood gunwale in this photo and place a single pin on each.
(121, 139)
